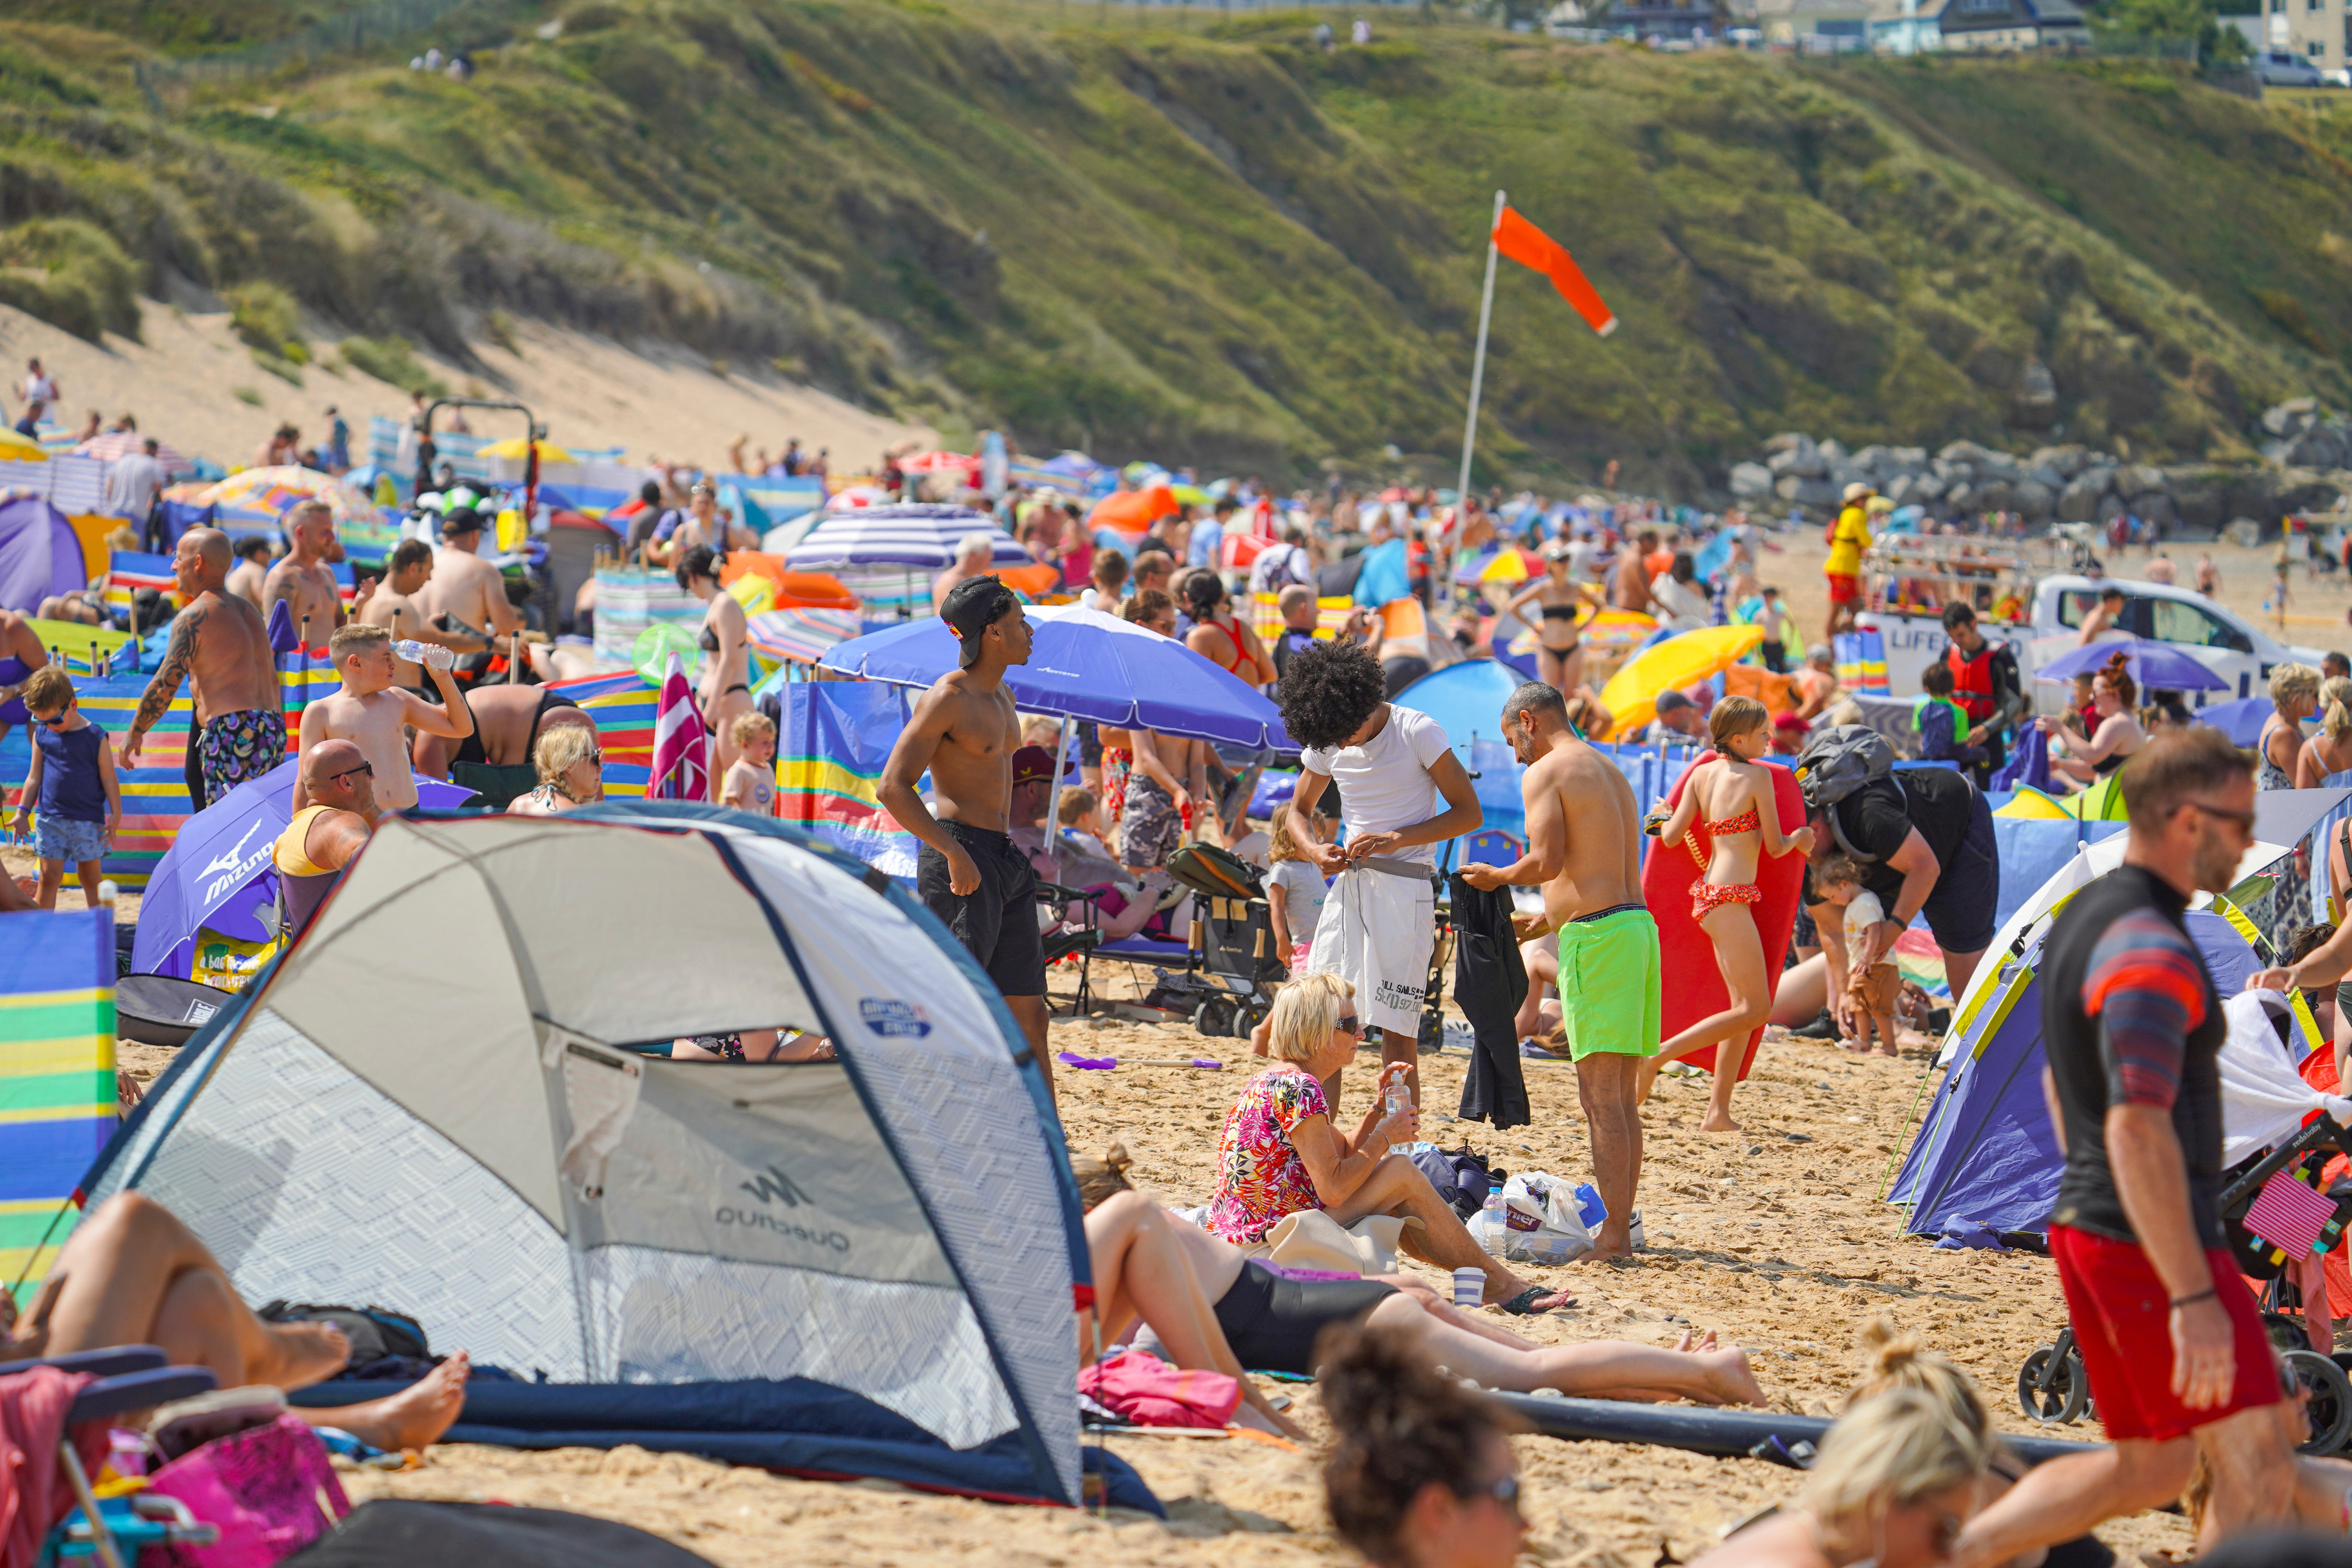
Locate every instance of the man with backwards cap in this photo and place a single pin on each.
(463, 587)
(969, 873)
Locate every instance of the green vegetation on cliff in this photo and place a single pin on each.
(1223, 243)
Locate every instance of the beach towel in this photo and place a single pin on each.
(1144, 1390)
(1378, 929)
(34, 1491)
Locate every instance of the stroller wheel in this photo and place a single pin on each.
(1252, 1014)
(2066, 1398)
(1213, 1018)
(2329, 1408)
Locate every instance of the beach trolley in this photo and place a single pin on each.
(1225, 987)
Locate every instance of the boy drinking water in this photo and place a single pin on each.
(74, 781)
(750, 781)
(375, 715)
(1873, 990)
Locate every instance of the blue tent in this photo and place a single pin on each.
(1986, 1154)
(1467, 700)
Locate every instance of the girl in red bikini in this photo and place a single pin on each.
(1729, 804)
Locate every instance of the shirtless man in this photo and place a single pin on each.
(973, 551)
(304, 579)
(2100, 618)
(468, 590)
(252, 569)
(396, 608)
(969, 874)
(372, 713)
(221, 640)
(21, 653)
(1584, 837)
(1169, 772)
(1632, 589)
(1817, 681)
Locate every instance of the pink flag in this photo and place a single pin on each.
(2289, 1215)
(681, 754)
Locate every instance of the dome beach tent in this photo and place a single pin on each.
(1985, 1154)
(859, 1268)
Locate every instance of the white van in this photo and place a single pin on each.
(2218, 638)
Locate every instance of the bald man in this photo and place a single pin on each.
(326, 836)
(305, 579)
(220, 639)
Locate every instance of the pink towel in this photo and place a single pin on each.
(1149, 1392)
(34, 1491)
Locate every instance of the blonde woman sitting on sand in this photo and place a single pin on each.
(1280, 1153)
(1212, 1308)
(1894, 1486)
(1730, 802)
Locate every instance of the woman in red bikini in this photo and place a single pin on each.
(1219, 634)
(1729, 801)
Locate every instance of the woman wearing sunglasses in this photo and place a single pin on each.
(1896, 1478)
(1280, 1152)
(570, 771)
(1422, 1474)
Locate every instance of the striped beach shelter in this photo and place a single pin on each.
(57, 1075)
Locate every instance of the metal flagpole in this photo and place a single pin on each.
(1478, 366)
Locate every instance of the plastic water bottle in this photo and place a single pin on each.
(1398, 1097)
(1493, 1227)
(430, 653)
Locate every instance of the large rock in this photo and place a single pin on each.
(2079, 501)
(1995, 495)
(1804, 462)
(2321, 447)
(1926, 488)
(2197, 497)
(2292, 417)
(1960, 495)
(1751, 482)
(2136, 479)
(2111, 505)
(1908, 459)
(1833, 450)
(1789, 441)
(1898, 488)
(2047, 477)
(1805, 492)
(2033, 499)
(2155, 506)
(2063, 461)
(1951, 470)
(1870, 462)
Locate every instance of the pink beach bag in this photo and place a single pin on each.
(269, 1488)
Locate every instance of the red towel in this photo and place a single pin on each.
(34, 1491)
(1149, 1391)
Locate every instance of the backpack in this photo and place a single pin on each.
(1839, 760)
(1215, 873)
(1461, 1178)
(374, 1333)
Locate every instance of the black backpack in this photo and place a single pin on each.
(374, 1333)
(1839, 760)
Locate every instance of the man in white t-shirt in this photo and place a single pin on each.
(1401, 791)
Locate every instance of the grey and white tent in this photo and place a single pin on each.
(433, 1103)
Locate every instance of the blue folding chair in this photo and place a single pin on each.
(129, 1377)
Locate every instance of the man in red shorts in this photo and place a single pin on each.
(2175, 1350)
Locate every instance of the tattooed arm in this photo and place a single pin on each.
(167, 684)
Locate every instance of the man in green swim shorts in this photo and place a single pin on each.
(1584, 839)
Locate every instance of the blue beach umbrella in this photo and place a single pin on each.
(1089, 666)
(2154, 665)
(218, 872)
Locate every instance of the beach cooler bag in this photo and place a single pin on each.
(1215, 873)
(269, 1488)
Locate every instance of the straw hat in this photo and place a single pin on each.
(1856, 490)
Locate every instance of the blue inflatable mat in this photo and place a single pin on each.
(796, 1425)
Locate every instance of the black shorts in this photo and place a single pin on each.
(998, 919)
(1962, 911)
(1272, 1320)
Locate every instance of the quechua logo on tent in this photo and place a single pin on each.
(771, 1184)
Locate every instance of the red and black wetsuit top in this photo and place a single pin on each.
(2129, 1017)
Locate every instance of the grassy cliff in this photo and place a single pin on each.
(1217, 242)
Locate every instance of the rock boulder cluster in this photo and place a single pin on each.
(2307, 467)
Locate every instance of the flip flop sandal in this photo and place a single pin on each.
(1523, 1305)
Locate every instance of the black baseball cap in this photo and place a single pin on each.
(461, 520)
(973, 606)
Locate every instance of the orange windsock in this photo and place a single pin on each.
(1530, 246)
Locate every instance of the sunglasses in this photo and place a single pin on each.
(1505, 1491)
(367, 768)
(56, 720)
(1349, 1024)
(2244, 819)
(595, 759)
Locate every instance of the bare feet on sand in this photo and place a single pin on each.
(305, 1353)
(1729, 1381)
(1705, 1341)
(411, 1418)
(1714, 1123)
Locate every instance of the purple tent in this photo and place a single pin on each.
(39, 554)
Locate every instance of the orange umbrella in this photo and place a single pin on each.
(813, 590)
(1132, 511)
(1034, 580)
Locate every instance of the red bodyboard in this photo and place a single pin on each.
(1695, 985)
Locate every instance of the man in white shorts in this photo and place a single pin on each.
(1401, 793)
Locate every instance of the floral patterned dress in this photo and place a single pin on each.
(1260, 1177)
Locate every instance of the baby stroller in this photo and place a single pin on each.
(1226, 984)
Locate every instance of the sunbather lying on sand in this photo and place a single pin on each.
(1152, 1265)
(133, 1275)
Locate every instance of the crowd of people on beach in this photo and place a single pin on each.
(1420, 1470)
